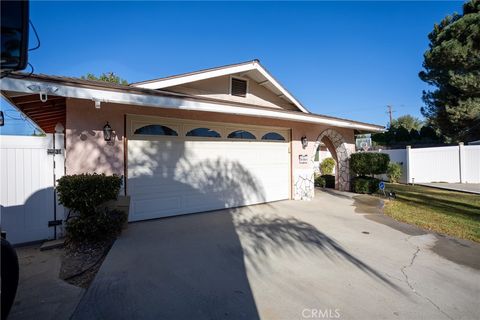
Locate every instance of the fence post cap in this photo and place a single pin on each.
(408, 147)
(460, 143)
(59, 128)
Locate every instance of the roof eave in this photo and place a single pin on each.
(158, 99)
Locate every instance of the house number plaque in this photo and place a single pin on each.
(303, 159)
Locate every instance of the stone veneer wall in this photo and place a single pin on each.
(304, 188)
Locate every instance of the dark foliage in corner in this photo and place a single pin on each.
(329, 181)
(320, 182)
(325, 181)
(369, 163)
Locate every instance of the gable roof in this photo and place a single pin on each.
(253, 69)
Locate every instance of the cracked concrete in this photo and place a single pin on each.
(277, 260)
(411, 286)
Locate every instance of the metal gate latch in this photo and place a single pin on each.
(54, 151)
(53, 223)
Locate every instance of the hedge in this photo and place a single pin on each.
(365, 185)
(369, 163)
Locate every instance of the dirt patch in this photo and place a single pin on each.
(81, 262)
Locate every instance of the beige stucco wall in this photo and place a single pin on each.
(219, 88)
(86, 150)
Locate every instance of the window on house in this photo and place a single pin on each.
(241, 134)
(203, 132)
(238, 87)
(156, 130)
(273, 136)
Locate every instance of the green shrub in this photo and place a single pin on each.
(327, 165)
(83, 194)
(104, 224)
(394, 172)
(369, 163)
(329, 181)
(365, 185)
(320, 182)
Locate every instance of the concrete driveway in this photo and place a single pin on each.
(332, 257)
(462, 187)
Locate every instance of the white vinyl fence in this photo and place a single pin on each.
(452, 164)
(28, 169)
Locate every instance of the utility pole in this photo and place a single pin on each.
(390, 112)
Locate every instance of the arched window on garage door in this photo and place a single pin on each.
(273, 136)
(241, 134)
(156, 130)
(203, 132)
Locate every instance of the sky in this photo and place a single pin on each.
(343, 59)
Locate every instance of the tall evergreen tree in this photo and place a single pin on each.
(452, 66)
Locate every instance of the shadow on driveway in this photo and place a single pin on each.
(194, 266)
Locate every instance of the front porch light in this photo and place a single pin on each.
(304, 142)
(107, 132)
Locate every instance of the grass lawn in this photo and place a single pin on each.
(448, 212)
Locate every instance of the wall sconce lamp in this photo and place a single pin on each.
(304, 142)
(107, 132)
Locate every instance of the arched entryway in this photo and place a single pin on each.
(338, 147)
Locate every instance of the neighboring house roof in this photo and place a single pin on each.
(252, 69)
(20, 88)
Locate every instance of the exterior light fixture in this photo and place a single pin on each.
(98, 103)
(107, 132)
(43, 91)
(304, 142)
(2, 119)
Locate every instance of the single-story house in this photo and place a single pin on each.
(211, 139)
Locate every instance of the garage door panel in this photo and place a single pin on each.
(150, 207)
(179, 176)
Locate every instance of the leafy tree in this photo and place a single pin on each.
(405, 130)
(452, 66)
(408, 122)
(106, 77)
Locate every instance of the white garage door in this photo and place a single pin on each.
(177, 166)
